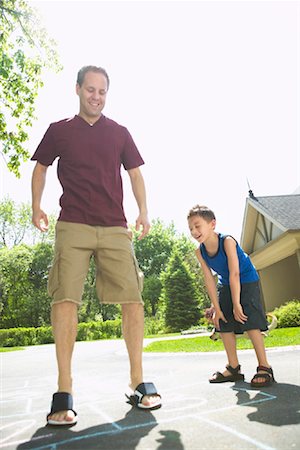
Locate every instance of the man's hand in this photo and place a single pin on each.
(40, 220)
(142, 221)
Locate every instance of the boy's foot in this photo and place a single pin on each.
(264, 377)
(230, 374)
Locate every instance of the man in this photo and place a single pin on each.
(91, 149)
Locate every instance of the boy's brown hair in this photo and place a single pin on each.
(201, 211)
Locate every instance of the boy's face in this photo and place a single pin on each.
(200, 228)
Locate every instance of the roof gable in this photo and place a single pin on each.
(265, 218)
(283, 209)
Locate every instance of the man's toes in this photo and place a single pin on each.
(150, 400)
(62, 415)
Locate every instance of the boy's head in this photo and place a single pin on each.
(202, 222)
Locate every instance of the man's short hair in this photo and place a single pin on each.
(85, 69)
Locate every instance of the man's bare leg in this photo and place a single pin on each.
(64, 327)
(133, 332)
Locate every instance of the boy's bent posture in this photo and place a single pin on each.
(236, 299)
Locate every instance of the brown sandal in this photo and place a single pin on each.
(268, 377)
(218, 377)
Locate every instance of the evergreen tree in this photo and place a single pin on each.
(179, 294)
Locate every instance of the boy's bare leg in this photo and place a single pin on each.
(229, 341)
(64, 326)
(133, 332)
(257, 340)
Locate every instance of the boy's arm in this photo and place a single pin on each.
(234, 279)
(211, 289)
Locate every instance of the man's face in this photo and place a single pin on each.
(92, 96)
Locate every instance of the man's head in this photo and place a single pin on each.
(91, 88)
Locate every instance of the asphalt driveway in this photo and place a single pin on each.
(195, 414)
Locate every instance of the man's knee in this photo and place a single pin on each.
(66, 303)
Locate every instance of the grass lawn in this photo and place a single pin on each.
(277, 338)
(10, 349)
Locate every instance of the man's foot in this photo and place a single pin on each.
(145, 396)
(62, 416)
(62, 412)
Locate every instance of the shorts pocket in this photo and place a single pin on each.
(53, 278)
(139, 275)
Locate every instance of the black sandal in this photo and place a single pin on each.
(218, 377)
(268, 377)
(141, 390)
(62, 401)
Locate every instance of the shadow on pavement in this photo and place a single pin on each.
(123, 434)
(276, 405)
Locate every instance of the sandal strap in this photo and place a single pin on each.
(233, 370)
(266, 376)
(62, 401)
(145, 389)
(265, 369)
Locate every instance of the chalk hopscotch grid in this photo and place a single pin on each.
(116, 429)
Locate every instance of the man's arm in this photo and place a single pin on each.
(139, 192)
(39, 218)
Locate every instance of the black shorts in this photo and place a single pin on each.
(252, 307)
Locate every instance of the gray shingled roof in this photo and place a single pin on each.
(285, 209)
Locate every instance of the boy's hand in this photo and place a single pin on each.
(239, 314)
(208, 314)
(216, 317)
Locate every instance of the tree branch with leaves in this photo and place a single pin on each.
(26, 52)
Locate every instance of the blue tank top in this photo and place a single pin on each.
(219, 263)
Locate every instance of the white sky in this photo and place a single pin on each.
(209, 91)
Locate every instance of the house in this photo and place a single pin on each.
(271, 237)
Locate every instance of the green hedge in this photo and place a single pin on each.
(288, 315)
(14, 337)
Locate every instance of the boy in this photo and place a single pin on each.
(236, 298)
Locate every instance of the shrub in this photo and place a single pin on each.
(288, 315)
(14, 337)
(154, 325)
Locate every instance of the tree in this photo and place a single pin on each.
(16, 226)
(154, 251)
(14, 284)
(151, 294)
(153, 254)
(26, 51)
(91, 309)
(179, 294)
(23, 285)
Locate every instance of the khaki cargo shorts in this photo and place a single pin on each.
(118, 277)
